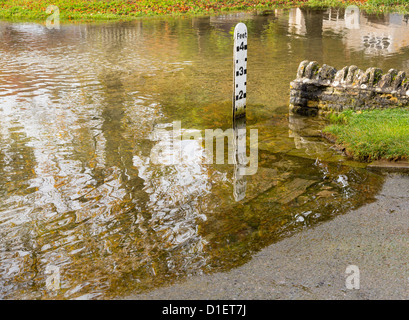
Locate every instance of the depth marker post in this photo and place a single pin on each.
(240, 70)
(239, 109)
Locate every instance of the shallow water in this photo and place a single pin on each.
(84, 194)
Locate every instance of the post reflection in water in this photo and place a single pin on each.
(239, 131)
(87, 185)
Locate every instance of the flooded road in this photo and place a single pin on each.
(87, 199)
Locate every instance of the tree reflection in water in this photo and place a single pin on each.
(81, 188)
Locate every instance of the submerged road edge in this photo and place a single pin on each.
(312, 263)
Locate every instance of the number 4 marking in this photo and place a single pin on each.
(242, 47)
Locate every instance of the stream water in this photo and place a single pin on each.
(82, 199)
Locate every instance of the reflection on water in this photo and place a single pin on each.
(239, 177)
(86, 117)
(372, 34)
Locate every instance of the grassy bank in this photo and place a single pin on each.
(371, 135)
(91, 10)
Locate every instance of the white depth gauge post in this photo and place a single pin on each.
(240, 70)
(239, 109)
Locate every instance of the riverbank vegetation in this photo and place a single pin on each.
(371, 135)
(90, 10)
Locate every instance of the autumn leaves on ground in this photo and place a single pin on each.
(89, 10)
(127, 9)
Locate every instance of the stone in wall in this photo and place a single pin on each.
(324, 89)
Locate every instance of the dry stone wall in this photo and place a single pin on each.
(323, 89)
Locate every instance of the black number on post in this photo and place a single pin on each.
(241, 47)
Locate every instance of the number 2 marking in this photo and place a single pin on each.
(241, 95)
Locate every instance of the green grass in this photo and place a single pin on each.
(91, 10)
(371, 135)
